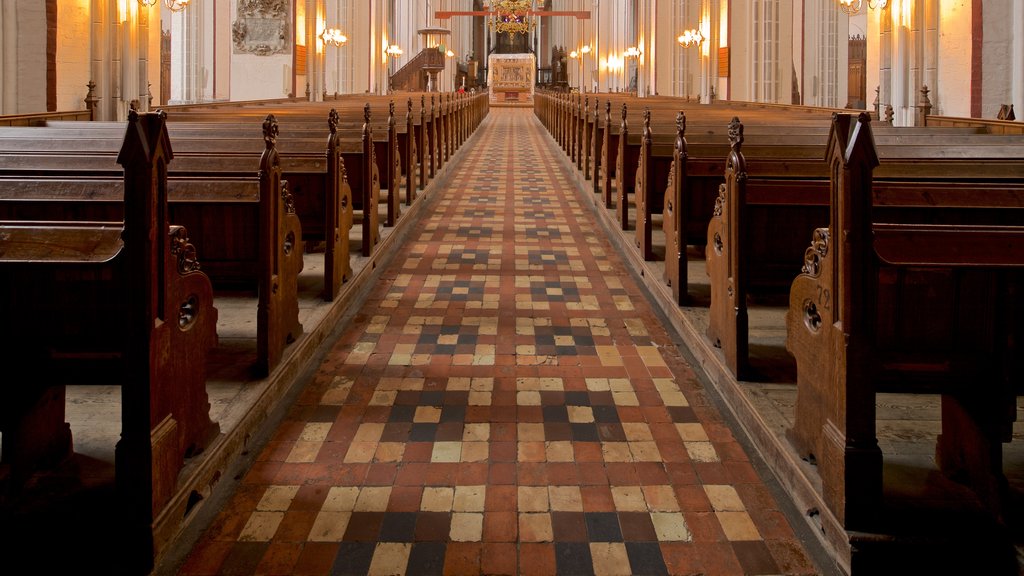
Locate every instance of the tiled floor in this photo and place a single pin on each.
(506, 402)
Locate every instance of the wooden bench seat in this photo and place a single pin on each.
(234, 203)
(123, 302)
(909, 307)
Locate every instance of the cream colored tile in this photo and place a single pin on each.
(304, 452)
(369, 432)
(738, 526)
(390, 559)
(329, 526)
(637, 432)
(478, 398)
(528, 398)
(625, 398)
(616, 452)
(383, 397)
(315, 431)
(437, 499)
(597, 384)
(645, 451)
(560, 451)
(389, 452)
(476, 432)
(467, 527)
(277, 498)
(580, 414)
(359, 452)
(530, 432)
(427, 415)
(610, 559)
(670, 527)
(535, 527)
(692, 432)
(533, 499)
(629, 499)
(340, 499)
(261, 526)
(701, 451)
(565, 498)
(446, 452)
(475, 451)
(373, 499)
(661, 498)
(469, 498)
(724, 498)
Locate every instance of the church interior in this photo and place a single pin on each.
(511, 287)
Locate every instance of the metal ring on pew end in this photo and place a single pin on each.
(812, 319)
(188, 312)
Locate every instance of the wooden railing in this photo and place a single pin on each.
(411, 77)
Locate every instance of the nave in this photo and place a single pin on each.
(506, 401)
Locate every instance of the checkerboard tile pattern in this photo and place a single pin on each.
(505, 402)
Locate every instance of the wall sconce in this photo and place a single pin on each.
(176, 5)
(693, 37)
(852, 7)
(393, 51)
(147, 3)
(449, 53)
(333, 36)
(632, 52)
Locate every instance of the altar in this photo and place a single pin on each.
(511, 79)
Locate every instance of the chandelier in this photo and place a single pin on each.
(172, 5)
(511, 16)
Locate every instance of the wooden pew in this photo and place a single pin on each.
(245, 218)
(119, 302)
(911, 307)
(314, 171)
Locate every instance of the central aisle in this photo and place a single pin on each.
(506, 401)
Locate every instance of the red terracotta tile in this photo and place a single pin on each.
(501, 498)
(316, 558)
(532, 474)
(502, 473)
(405, 499)
(681, 473)
(501, 526)
(704, 527)
(206, 558)
(381, 474)
(651, 473)
(295, 526)
(536, 559)
(462, 558)
(592, 474)
(718, 559)
(741, 472)
(418, 451)
(681, 558)
(503, 451)
(562, 473)
(692, 498)
(588, 451)
(711, 472)
(597, 499)
(790, 557)
(498, 559)
(442, 474)
(473, 473)
(622, 474)
(412, 474)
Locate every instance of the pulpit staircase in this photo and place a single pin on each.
(415, 75)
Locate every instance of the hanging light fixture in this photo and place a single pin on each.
(511, 16)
